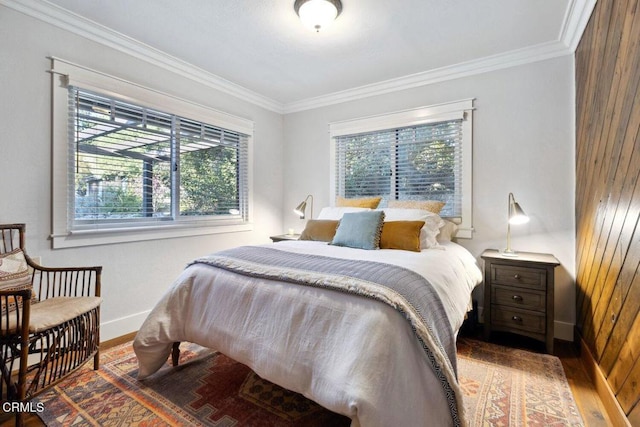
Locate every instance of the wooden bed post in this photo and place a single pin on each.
(175, 353)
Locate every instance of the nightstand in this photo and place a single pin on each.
(518, 294)
(282, 237)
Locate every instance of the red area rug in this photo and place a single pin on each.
(502, 386)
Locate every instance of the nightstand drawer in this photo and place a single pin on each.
(513, 319)
(518, 297)
(533, 278)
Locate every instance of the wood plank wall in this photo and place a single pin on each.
(608, 196)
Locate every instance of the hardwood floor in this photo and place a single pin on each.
(584, 392)
(591, 407)
(29, 421)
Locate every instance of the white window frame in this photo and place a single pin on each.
(64, 74)
(462, 109)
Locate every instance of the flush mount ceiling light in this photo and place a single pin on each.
(318, 14)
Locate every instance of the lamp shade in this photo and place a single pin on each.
(517, 215)
(317, 14)
(302, 207)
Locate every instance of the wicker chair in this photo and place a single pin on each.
(49, 326)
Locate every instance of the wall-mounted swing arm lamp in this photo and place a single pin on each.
(317, 14)
(515, 216)
(300, 210)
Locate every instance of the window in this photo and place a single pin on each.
(142, 165)
(136, 164)
(422, 154)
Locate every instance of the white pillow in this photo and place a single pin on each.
(335, 213)
(432, 223)
(447, 231)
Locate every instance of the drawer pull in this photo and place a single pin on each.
(516, 276)
(516, 319)
(516, 298)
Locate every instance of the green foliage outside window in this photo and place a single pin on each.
(123, 164)
(414, 163)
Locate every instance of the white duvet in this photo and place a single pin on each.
(353, 355)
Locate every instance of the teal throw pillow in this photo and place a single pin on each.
(359, 230)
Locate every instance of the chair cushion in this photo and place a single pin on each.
(54, 311)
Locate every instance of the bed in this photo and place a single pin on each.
(318, 319)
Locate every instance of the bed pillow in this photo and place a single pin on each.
(434, 206)
(403, 235)
(336, 213)
(321, 230)
(359, 230)
(447, 231)
(431, 228)
(363, 202)
(14, 276)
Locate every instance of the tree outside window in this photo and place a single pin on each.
(133, 163)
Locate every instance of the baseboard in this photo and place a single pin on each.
(563, 330)
(615, 412)
(119, 327)
(105, 345)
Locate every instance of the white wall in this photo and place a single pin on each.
(523, 143)
(135, 274)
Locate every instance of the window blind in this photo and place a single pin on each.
(130, 163)
(211, 181)
(410, 163)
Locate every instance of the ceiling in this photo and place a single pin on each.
(260, 47)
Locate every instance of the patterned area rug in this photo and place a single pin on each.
(502, 386)
(508, 387)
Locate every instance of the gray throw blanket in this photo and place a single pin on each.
(406, 291)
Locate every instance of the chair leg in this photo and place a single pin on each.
(96, 361)
(19, 419)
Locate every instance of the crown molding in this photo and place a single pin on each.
(575, 21)
(491, 63)
(66, 20)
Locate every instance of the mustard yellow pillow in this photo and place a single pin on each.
(321, 230)
(363, 202)
(403, 235)
(434, 206)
